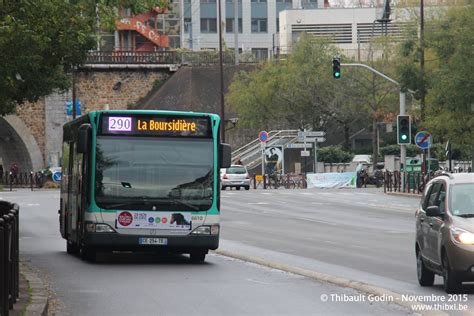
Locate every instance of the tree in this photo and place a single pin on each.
(452, 112)
(447, 80)
(41, 41)
(298, 92)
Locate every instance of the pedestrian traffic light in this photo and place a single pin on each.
(336, 68)
(403, 129)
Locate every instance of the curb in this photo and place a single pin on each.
(413, 195)
(339, 281)
(38, 301)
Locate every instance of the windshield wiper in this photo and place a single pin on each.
(134, 204)
(466, 215)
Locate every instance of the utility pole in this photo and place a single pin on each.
(221, 72)
(73, 93)
(236, 31)
(422, 59)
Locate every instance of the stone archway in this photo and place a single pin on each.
(18, 145)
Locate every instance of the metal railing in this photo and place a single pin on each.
(9, 256)
(23, 179)
(277, 181)
(168, 57)
(250, 154)
(414, 182)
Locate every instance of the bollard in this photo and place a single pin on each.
(10, 179)
(16, 210)
(31, 180)
(255, 182)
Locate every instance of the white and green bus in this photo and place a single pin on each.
(142, 181)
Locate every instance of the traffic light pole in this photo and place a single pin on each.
(403, 149)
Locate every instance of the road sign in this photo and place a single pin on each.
(304, 153)
(311, 133)
(316, 139)
(299, 146)
(263, 136)
(69, 107)
(57, 176)
(423, 140)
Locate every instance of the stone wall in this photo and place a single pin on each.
(33, 115)
(118, 89)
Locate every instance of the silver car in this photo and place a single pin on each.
(445, 231)
(235, 176)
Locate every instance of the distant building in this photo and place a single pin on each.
(258, 23)
(265, 27)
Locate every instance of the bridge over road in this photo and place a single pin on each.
(31, 137)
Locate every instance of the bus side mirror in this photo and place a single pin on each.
(83, 141)
(224, 156)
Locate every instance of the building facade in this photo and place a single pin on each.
(258, 23)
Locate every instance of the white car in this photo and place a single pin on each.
(235, 176)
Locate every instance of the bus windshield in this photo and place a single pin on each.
(149, 173)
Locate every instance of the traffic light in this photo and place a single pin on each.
(336, 68)
(403, 129)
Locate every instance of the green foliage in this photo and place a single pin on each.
(41, 41)
(448, 79)
(412, 150)
(334, 154)
(452, 112)
(297, 92)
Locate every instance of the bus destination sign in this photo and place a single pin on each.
(156, 125)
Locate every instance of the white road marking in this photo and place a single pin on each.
(259, 282)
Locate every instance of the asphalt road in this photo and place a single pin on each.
(362, 235)
(125, 284)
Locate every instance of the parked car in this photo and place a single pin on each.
(445, 231)
(235, 176)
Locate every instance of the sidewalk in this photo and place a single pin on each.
(33, 298)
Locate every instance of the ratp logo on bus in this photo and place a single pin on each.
(125, 218)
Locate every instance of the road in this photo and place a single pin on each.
(124, 284)
(362, 235)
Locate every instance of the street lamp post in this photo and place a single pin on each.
(403, 149)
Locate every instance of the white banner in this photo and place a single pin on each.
(331, 180)
(156, 220)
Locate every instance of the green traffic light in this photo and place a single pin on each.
(404, 137)
(337, 74)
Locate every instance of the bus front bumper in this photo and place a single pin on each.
(180, 244)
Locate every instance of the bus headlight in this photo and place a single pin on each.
(206, 230)
(99, 228)
(202, 230)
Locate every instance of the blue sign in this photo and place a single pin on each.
(69, 107)
(263, 136)
(57, 176)
(423, 140)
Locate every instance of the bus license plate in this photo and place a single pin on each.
(152, 241)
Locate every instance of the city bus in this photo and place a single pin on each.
(142, 181)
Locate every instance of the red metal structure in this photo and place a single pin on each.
(140, 32)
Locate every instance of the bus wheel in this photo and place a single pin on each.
(88, 254)
(197, 257)
(72, 248)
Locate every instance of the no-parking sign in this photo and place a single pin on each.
(423, 140)
(263, 136)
